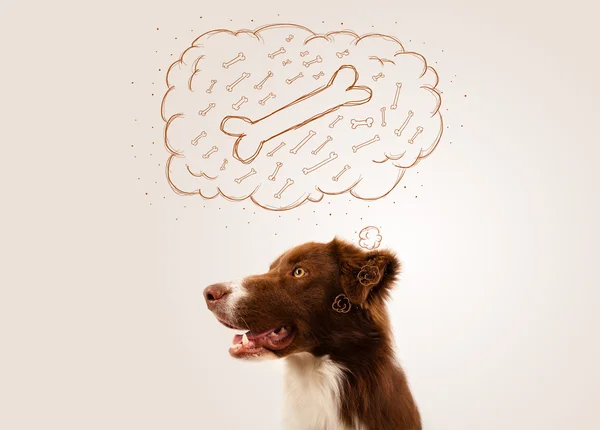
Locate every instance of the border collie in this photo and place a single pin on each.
(321, 306)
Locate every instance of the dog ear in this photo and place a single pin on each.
(366, 275)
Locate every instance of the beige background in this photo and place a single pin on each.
(102, 323)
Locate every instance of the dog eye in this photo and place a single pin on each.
(299, 272)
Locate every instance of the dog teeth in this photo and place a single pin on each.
(279, 332)
(245, 340)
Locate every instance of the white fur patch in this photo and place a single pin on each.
(312, 393)
(237, 292)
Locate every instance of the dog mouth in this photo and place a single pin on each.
(255, 344)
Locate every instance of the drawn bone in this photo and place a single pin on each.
(276, 53)
(231, 86)
(286, 62)
(340, 91)
(358, 122)
(318, 59)
(321, 146)
(383, 123)
(368, 142)
(224, 164)
(261, 83)
(309, 136)
(269, 96)
(379, 76)
(395, 104)
(228, 64)
(210, 152)
(304, 54)
(212, 84)
(339, 175)
(288, 183)
(335, 121)
(247, 175)
(273, 175)
(332, 156)
(298, 76)
(318, 75)
(281, 145)
(412, 139)
(239, 103)
(398, 131)
(197, 138)
(205, 111)
(289, 38)
(341, 54)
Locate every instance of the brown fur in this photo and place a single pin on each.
(375, 389)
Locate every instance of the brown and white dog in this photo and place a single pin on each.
(322, 307)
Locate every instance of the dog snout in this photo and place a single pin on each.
(214, 293)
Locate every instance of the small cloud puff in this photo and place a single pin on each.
(369, 238)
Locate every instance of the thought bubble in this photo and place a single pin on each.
(282, 115)
(369, 238)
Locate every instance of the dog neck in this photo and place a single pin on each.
(330, 392)
(313, 392)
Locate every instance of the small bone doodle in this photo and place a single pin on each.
(289, 38)
(332, 156)
(358, 122)
(304, 54)
(396, 96)
(412, 139)
(197, 138)
(288, 183)
(205, 111)
(368, 142)
(212, 84)
(342, 54)
(298, 76)
(247, 175)
(269, 96)
(398, 131)
(223, 166)
(286, 62)
(379, 76)
(276, 53)
(273, 175)
(231, 86)
(262, 83)
(210, 152)
(310, 134)
(318, 75)
(335, 121)
(339, 175)
(281, 145)
(228, 64)
(318, 59)
(239, 103)
(383, 123)
(322, 145)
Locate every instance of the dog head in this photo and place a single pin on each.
(316, 297)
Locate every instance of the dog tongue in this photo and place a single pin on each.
(266, 339)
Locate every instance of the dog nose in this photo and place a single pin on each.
(214, 293)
